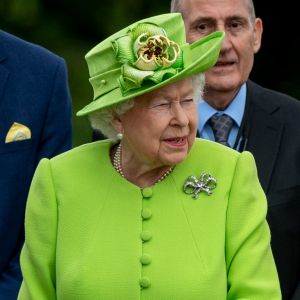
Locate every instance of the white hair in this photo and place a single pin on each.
(101, 120)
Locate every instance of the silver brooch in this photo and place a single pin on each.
(205, 183)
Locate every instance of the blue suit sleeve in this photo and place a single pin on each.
(57, 131)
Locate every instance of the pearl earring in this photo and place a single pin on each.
(119, 136)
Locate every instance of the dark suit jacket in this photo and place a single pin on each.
(272, 124)
(33, 92)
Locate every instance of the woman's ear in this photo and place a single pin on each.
(117, 124)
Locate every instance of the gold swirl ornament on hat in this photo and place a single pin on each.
(18, 132)
(155, 52)
(146, 54)
(206, 183)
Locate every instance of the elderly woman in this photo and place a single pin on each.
(149, 213)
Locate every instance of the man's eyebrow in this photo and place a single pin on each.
(204, 19)
(236, 17)
(211, 20)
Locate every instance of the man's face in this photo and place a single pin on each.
(242, 40)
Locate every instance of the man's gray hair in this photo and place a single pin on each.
(101, 120)
(177, 7)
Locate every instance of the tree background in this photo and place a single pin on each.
(72, 28)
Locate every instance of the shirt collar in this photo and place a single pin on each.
(235, 110)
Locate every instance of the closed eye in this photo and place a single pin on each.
(186, 101)
(162, 105)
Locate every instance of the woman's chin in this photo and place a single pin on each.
(174, 159)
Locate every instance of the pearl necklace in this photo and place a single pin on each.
(117, 160)
(117, 165)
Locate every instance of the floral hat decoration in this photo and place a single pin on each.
(145, 56)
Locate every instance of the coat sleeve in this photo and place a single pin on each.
(38, 253)
(251, 269)
(57, 129)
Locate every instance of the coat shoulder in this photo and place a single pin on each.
(27, 54)
(273, 100)
(11, 41)
(86, 152)
(212, 150)
(219, 159)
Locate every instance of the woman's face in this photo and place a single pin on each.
(161, 127)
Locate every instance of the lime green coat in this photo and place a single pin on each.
(90, 234)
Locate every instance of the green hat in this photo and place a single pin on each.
(144, 56)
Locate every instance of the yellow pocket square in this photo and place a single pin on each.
(18, 132)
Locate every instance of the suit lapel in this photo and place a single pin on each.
(265, 132)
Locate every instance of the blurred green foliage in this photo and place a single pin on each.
(71, 29)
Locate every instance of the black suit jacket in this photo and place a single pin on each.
(271, 126)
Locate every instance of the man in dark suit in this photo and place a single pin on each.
(35, 122)
(246, 116)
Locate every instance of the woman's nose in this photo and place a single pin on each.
(179, 115)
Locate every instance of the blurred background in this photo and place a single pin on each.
(71, 28)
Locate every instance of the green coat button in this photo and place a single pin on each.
(146, 235)
(146, 213)
(145, 282)
(147, 192)
(145, 259)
